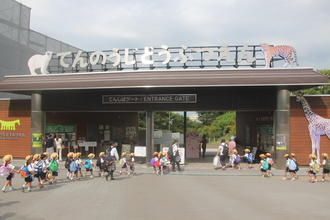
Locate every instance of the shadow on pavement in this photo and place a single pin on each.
(2, 204)
(7, 215)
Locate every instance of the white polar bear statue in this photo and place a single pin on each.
(40, 61)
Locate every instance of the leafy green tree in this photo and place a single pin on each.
(223, 126)
(319, 89)
(208, 117)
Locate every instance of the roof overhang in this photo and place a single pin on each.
(295, 78)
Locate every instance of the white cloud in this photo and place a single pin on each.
(104, 24)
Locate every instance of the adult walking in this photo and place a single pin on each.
(49, 144)
(110, 160)
(59, 145)
(223, 153)
(231, 148)
(203, 143)
(175, 158)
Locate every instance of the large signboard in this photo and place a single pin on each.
(152, 98)
(161, 57)
(9, 130)
(140, 151)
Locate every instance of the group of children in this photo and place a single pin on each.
(38, 166)
(235, 161)
(74, 165)
(292, 166)
(44, 169)
(315, 165)
(160, 163)
(126, 163)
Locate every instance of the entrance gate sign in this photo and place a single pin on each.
(163, 57)
(153, 98)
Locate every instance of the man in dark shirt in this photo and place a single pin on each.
(49, 144)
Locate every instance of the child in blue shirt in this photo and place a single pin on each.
(89, 164)
(248, 157)
(263, 165)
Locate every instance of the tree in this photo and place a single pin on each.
(208, 117)
(319, 89)
(169, 121)
(223, 126)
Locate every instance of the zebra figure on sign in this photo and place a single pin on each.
(317, 125)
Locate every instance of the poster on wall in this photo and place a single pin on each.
(36, 140)
(107, 135)
(193, 144)
(126, 148)
(140, 151)
(130, 131)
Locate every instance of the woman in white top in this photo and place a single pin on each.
(58, 144)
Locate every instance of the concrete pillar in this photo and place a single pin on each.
(149, 134)
(37, 123)
(282, 123)
(185, 133)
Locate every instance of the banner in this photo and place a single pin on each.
(193, 144)
(36, 140)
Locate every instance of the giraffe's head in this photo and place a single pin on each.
(299, 96)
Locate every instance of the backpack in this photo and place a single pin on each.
(24, 171)
(152, 162)
(67, 163)
(265, 165)
(327, 165)
(53, 166)
(157, 164)
(170, 151)
(108, 158)
(88, 164)
(73, 166)
(4, 170)
(297, 169)
(250, 158)
(316, 167)
(39, 169)
(225, 150)
(292, 165)
(237, 159)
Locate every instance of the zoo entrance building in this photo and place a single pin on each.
(92, 98)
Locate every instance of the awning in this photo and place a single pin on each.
(295, 77)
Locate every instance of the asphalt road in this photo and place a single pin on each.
(147, 196)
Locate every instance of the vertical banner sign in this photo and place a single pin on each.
(36, 140)
(192, 144)
(281, 142)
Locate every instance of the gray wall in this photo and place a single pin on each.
(18, 42)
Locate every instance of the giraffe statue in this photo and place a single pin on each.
(317, 125)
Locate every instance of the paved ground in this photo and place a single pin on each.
(200, 192)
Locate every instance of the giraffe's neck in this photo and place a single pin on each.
(307, 109)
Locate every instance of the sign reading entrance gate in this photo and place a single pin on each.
(153, 98)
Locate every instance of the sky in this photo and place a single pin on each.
(106, 24)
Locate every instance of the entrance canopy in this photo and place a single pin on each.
(293, 78)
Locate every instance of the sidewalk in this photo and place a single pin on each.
(204, 168)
